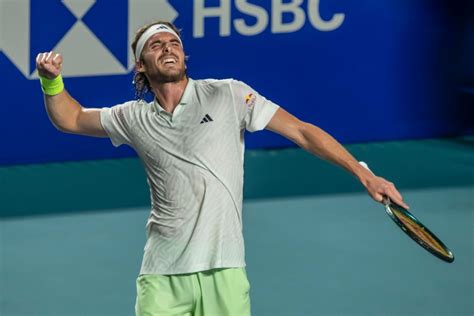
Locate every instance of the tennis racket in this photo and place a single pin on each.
(415, 229)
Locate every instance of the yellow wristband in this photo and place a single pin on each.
(52, 86)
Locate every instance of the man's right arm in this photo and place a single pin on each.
(65, 113)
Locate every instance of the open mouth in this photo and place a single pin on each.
(169, 60)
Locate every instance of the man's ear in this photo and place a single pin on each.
(140, 66)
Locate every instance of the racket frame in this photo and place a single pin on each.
(386, 201)
(388, 204)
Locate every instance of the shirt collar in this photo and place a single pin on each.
(185, 99)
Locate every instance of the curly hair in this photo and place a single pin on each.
(140, 81)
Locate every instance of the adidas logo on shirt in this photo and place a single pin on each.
(206, 119)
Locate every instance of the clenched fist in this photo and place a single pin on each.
(49, 64)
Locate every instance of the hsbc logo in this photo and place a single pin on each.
(85, 51)
(264, 19)
(94, 36)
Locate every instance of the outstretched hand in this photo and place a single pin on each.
(379, 188)
(49, 64)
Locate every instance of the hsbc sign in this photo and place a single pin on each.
(293, 8)
(94, 55)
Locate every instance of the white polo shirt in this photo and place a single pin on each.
(193, 159)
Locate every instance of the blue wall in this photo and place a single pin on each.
(383, 72)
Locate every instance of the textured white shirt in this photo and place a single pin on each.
(193, 159)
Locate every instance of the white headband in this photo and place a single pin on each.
(152, 30)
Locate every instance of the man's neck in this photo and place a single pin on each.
(169, 94)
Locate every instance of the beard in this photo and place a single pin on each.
(172, 75)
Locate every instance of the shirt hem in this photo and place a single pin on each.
(194, 269)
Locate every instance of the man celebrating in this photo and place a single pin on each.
(190, 140)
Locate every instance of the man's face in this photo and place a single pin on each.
(163, 58)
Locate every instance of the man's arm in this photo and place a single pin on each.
(318, 142)
(66, 114)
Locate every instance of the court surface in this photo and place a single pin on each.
(335, 254)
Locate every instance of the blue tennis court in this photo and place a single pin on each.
(322, 254)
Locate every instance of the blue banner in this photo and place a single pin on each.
(362, 70)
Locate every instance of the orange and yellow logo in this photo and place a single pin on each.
(250, 99)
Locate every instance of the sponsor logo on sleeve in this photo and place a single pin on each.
(250, 99)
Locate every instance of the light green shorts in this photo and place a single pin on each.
(216, 292)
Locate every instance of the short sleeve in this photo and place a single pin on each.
(117, 123)
(253, 110)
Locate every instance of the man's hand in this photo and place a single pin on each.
(49, 64)
(379, 188)
(66, 114)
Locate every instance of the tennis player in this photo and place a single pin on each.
(190, 140)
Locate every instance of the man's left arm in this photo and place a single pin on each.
(318, 142)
